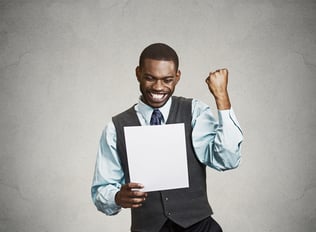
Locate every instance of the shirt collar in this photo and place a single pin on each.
(146, 111)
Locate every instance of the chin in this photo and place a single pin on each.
(156, 104)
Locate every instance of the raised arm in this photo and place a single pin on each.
(216, 142)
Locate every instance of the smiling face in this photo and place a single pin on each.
(157, 80)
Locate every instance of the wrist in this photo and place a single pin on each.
(223, 102)
(116, 198)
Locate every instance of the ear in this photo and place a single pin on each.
(178, 76)
(138, 73)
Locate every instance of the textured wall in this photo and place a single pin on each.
(67, 66)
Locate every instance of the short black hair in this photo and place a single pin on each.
(159, 51)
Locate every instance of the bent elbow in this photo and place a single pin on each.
(228, 160)
(106, 209)
(233, 164)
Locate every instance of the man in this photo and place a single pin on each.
(208, 143)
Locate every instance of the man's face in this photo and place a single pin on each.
(157, 80)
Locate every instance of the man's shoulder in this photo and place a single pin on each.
(192, 100)
(126, 118)
(181, 105)
(130, 110)
(181, 99)
(195, 104)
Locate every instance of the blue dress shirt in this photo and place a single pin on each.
(216, 144)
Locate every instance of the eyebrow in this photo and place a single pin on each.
(166, 77)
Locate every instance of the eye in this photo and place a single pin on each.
(168, 80)
(149, 78)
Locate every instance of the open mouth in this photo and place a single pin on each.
(158, 97)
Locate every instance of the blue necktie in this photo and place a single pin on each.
(156, 117)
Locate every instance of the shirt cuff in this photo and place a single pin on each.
(228, 116)
(111, 202)
(105, 200)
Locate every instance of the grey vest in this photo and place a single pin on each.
(185, 206)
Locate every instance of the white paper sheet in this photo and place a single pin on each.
(157, 156)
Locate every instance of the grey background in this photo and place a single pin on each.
(67, 66)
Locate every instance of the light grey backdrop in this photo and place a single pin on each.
(67, 66)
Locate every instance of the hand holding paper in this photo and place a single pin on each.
(129, 196)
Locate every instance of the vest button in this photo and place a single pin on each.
(169, 213)
(166, 198)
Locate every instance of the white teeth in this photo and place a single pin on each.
(157, 96)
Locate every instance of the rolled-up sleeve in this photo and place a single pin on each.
(108, 175)
(217, 143)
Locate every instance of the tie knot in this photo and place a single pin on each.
(156, 117)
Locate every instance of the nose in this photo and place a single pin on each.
(158, 85)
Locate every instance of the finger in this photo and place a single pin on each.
(133, 194)
(130, 197)
(133, 205)
(135, 185)
(210, 77)
(223, 70)
(138, 200)
(138, 194)
(133, 200)
(129, 202)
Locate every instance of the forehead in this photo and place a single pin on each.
(165, 66)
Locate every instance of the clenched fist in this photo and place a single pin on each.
(217, 83)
